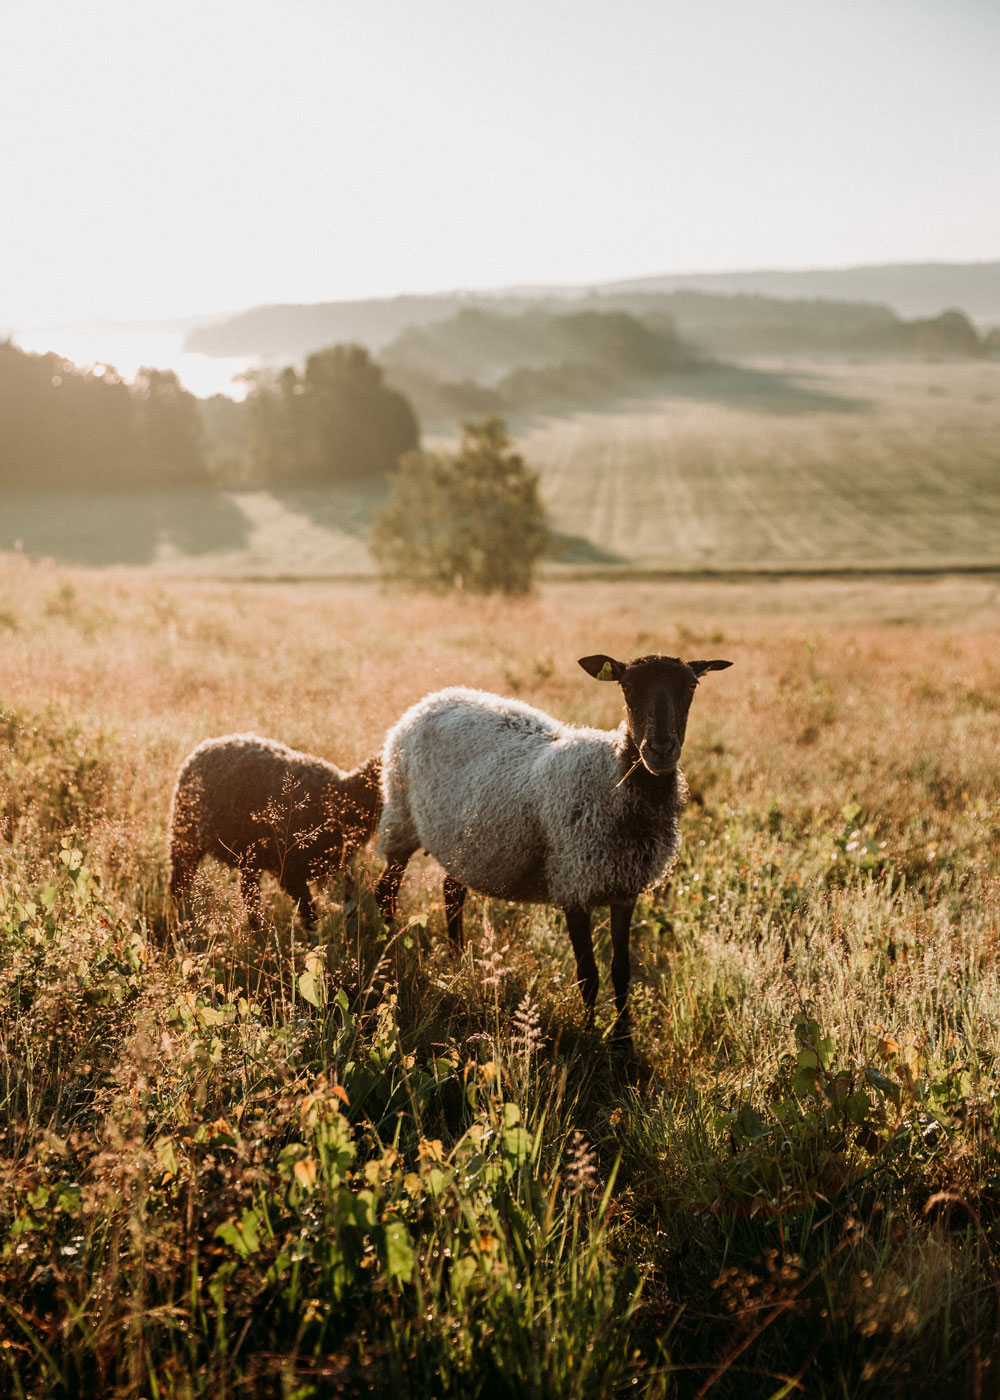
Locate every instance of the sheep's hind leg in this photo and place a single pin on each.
(578, 923)
(387, 888)
(182, 872)
(298, 887)
(454, 899)
(621, 966)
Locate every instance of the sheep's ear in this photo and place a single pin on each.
(700, 667)
(603, 668)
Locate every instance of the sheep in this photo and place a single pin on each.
(517, 805)
(258, 806)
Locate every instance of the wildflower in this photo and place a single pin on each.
(528, 1037)
(581, 1176)
(493, 959)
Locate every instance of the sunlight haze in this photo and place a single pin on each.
(172, 161)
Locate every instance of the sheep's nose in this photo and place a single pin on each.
(661, 758)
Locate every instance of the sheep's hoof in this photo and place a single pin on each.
(621, 1031)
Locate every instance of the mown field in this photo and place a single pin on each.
(794, 466)
(353, 1165)
(770, 466)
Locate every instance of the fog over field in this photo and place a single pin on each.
(792, 466)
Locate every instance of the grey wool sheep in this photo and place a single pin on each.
(517, 805)
(259, 806)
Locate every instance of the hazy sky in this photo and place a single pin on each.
(175, 158)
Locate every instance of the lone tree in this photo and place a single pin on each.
(469, 520)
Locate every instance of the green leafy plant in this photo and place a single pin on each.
(470, 520)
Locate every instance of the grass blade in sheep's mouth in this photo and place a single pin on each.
(635, 765)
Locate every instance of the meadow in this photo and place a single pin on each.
(356, 1165)
(767, 466)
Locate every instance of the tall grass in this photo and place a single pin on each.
(352, 1164)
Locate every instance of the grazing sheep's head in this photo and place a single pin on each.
(658, 691)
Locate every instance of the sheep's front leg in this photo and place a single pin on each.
(293, 877)
(454, 899)
(621, 965)
(250, 891)
(578, 923)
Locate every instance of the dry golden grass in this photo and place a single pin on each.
(838, 686)
(825, 672)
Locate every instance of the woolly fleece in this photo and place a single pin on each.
(252, 801)
(518, 805)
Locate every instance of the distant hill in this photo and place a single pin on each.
(721, 312)
(555, 361)
(480, 362)
(293, 331)
(908, 289)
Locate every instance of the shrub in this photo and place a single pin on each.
(470, 520)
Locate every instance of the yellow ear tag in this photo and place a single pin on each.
(605, 673)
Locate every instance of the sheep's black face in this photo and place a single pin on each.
(658, 692)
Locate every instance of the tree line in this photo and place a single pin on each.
(480, 362)
(470, 519)
(66, 427)
(336, 421)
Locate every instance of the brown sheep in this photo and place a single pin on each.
(259, 806)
